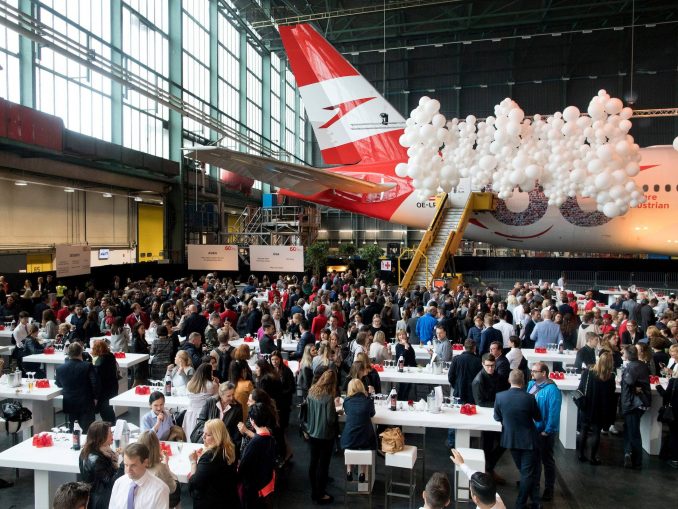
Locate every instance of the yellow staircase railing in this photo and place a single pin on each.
(426, 241)
(476, 202)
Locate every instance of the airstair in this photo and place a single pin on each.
(442, 238)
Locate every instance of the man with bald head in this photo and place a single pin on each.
(546, 332)
(194, 322)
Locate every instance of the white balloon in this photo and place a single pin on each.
(625, 125)
(613, 106)
(632, 169)
(487, 162)
(571, 113)
(401, 170)
(438, 120)
(675, 143)
(626, 113)
(602, 180)
(423, 100)
(532, 171)
(604, 152)
(610, 209)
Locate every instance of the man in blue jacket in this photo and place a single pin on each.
(426, 324)
(548, 399)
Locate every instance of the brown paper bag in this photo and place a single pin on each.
(392, 440)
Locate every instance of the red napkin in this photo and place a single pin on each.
(654, 379)
(165, 447)
(142, 390)
(248, 339)
(378, 367)
(457, 346)
(540, 350)
(557, 375)
(108, 333)
(410, 402)
(119, 355)
(49, 350)
(468, 409)
(43, 439)
(2, 327)
(42, 384)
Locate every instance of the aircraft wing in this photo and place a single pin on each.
(299, 178)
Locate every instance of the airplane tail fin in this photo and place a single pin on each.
(345, 110)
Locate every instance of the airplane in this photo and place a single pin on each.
(358, 130)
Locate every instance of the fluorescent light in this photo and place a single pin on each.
(406, 91)
(587, 31)
(138, 198)
(483, 86)
(510, 83)
(382, 51)
(345, 231)
(467, 42)
(496, 40)
(593, 77)
(20, 183)
(565, 78)
(650, 25)
(409, 48)
(431, 90)
(617, 29)
(537, 81)
(322, 231)
(438, 45)
(107, 195)
(556, 34)
(526, 37)
(354, 53)
(69, 190)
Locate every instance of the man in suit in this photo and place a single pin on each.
(79, 383)
(194, 322)
(463, 370)
(586, 356)
(193, 347)
(503, 366)
(489, 335)
(518, 411)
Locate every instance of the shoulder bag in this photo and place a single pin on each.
(578, 396)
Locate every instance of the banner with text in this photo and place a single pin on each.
(283, 259)
(72, 260)
(212, 257)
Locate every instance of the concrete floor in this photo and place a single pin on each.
(578, 486)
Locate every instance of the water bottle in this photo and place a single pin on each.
(168, 385)
(77, 433)
(12, 325)
(124, 437)
(393, 396)
(401, 364)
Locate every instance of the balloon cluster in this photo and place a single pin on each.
(566, 154)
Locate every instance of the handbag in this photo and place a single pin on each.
(666, 414)
(13, 411)
(303, 420)
(392, 440)
(578, 396)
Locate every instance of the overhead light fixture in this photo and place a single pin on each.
(483, 86)
(69, 190)
(107, 195)
(565, 78)
(20, 183)
(431, 90)
(556, 34)
(510, 83)
(587, 31)
(617, 29)
(467, 42)
(526, 37)
(537, 82)
(406, 91)
(409, 48)
(650, 25)
(382, 51)
(438, 45)
(593, 77)
(138, 198)
(496, 40)
(457, 87)
(354, 53)
(160, 202)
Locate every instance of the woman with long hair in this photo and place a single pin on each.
(306, 369)
(358, 432)
(284, 402)
(49, 324)
(99, 464)
(200, 388)
(610, 342)
(599, 408)
(139, 345)
(213, 478)
(257, 463)
(246, 429)
(106, 368)
(119, 338)
(90, 328)
(241, 377)
(568, 328)
(372, 375)
(645, 355)
(404, 349)
(379, 349)
(322, 431)
(158, 465)
(182, 370)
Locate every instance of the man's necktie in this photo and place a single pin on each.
(130, 495)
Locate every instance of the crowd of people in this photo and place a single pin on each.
(240, 407)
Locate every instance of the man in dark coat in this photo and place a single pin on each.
(193, 347)
(485, 386)
(463, 370)
(194, 322)
(253, 317)
(79, 384)
(517, 411)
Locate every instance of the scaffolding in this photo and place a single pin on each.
(274, 226)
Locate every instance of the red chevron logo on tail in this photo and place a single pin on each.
(343, 108)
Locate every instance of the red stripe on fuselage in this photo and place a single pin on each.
(374, 149)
